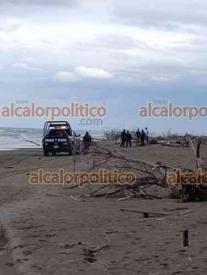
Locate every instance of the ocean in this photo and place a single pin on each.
(20, 138)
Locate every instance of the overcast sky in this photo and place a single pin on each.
(115, 52)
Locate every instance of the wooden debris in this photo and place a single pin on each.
(153, 175)
(145, 214)
(149, 176)
(185, 238)
(184, 212)
(196, 152)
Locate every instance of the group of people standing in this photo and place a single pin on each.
(142, 137)
(126, 139)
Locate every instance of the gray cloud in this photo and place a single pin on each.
(160, 12)
(153, 48)
(69, 3)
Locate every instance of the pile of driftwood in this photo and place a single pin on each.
(152, 175)
(151, 178)
(195, 191)
(192, 191)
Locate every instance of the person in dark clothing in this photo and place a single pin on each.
(87, 138)
(138, 136)
(142, 137)
(86, 143)
(123, 138)
(147, 135)
(128, 139)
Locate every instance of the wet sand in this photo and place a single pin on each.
(50, 232)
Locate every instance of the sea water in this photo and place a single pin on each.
(20, 138)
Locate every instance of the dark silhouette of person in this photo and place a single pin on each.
(87, 137)
(128, 139)
(86, 142)
(123, 138)
(142, 137)
(138, 134)
(147, 135)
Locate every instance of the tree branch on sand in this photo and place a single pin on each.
(151, 178)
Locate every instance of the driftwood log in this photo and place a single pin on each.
(195, 192)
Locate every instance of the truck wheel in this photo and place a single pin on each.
(46, 153)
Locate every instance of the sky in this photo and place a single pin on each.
(120, 54)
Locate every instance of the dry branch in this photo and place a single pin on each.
(196, 152)
(144, 212)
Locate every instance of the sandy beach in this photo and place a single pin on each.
(103, 139)
(51, 230)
